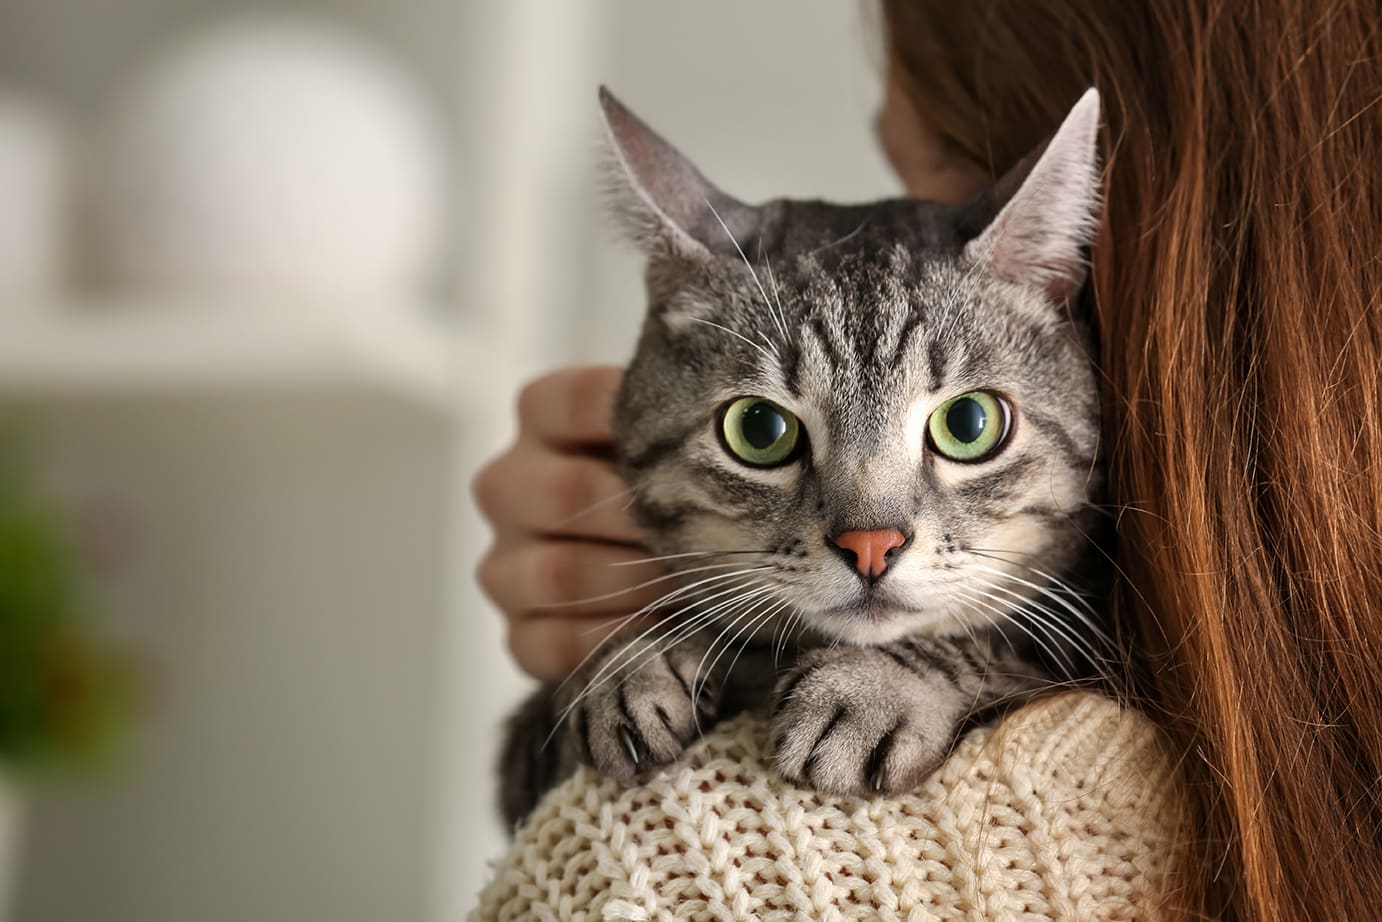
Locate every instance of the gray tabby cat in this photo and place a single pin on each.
(866, 437)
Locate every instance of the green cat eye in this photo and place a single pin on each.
(759, 432)
(969, 427)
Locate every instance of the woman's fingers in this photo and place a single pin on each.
(573, 406)
(536, 489)
(570, 579)
(566, 568)
(550, 649)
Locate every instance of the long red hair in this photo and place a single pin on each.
(1235, 290)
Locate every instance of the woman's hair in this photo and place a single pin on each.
(1235, 292)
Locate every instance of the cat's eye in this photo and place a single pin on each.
(759, 432)
(970, 427)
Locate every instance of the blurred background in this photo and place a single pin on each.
(270, 276)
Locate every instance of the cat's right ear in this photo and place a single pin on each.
(671, 208)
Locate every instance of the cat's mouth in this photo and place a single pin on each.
(875, 616)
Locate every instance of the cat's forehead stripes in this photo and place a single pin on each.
(853, 322)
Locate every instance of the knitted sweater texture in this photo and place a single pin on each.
(1068, 809)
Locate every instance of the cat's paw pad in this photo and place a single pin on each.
(856, 722)
(640, 714)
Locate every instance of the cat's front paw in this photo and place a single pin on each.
(630, 713)
(862, 721)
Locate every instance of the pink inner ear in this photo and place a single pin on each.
(682, 202)
(1039, 236)
(662, 176)
(1063, 288)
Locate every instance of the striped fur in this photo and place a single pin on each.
(860, 320)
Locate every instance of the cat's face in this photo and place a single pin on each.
(878, 418)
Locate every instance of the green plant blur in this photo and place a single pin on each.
(64, 697)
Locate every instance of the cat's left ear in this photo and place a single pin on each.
(1039, 236)
(671, 207)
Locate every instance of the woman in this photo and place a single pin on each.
(1235, 292)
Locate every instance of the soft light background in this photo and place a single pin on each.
(283, 503)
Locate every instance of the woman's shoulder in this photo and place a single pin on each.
(1068, 808)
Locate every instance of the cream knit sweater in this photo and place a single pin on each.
(1069, 809)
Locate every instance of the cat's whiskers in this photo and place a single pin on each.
(691, 627)
(685, 630)
(623, 622)
(599, 503)
(1083, 598)
(1086, 614)
(845, 239)
(947, 324)
(1094, 455)
(774, 605)
(1010, 611)
(1031, 607)
(1089, 642)
(643, 560)
(1000, 618)
(974, 638)
(1123, 575)
(675, 574)
(781, 321)
(608, 673)
(772, 280)
(771, 356)
(714, 588)
(611, 668)
(1049, 592)
(697, 686)
(663, 600)
(798, 624)
(619, 624)
(652, 651)
(784, 628)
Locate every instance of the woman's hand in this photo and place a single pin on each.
(561, 527)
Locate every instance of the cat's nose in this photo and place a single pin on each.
(869, 549)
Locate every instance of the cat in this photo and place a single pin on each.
(866, 437)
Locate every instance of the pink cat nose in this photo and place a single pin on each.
(870, 548)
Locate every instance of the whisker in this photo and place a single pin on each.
(1029, 606)
(676, 593)
(845, 239)
(675, 574)
(772, 280)
(781, 321)
(628, 655)
(642, 560)
(698, 685)
(772, 357)
(1078, 596)
(591, 508)
(1007, 612)
(1094, 649)
(784, 629)
(775, 605)
(1058, 599)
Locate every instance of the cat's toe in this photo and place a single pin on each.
(903, 757)
(840, 727)
(639, 720)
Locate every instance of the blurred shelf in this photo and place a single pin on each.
(156, 349)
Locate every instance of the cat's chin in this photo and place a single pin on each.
(875, 622)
